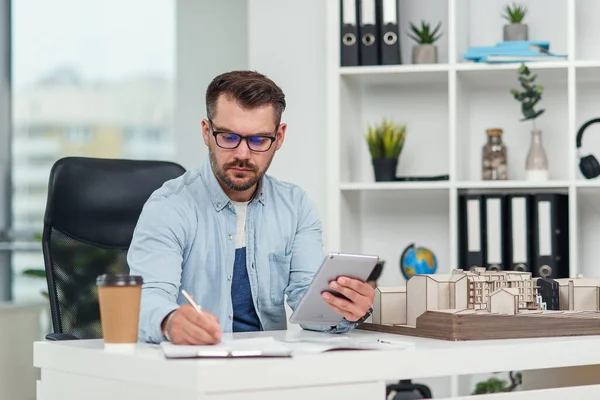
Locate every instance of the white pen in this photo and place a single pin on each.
(191, 301)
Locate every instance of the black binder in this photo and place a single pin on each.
(389, 35)
(550, 228)
(472, 232)
(367, 21)
(349, 55)
(518, 231)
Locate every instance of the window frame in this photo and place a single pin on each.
(6, 243)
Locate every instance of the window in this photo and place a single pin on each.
(85, 75)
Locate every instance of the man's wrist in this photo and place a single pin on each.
(166, 325)
(365, 317)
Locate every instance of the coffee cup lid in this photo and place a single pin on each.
(118, 280)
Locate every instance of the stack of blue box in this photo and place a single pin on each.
(513, 52)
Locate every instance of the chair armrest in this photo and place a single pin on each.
(60, 336)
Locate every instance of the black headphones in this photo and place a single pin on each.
(589, 166)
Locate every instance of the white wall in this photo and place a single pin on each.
(282, 46)
(211, 38)
(271, 37)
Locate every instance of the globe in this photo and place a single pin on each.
(417, 260)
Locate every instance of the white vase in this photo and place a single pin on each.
(536, 164)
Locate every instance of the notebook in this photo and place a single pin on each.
(269, 347)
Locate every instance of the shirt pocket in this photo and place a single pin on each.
(279, 265)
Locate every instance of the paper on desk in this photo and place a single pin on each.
(322, 345)
(269, 347)
(254, 347)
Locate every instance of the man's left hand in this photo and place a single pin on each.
(360, 297)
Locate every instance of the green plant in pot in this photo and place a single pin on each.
(536, 164)
(496, 385)
(425, 51)
(385, 142)
(515, 29)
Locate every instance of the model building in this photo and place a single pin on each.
(480, 304)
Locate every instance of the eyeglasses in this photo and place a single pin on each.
(230, 140)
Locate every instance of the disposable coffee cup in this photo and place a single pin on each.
(119, 298)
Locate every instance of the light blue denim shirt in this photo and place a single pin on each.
(185, 239)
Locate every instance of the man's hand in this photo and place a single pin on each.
(188, 326)
(360, 297)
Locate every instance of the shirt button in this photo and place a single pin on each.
(228, 277)
(218, 204)
(230, 316)
(229, 237)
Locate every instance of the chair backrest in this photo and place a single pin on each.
(92, 209)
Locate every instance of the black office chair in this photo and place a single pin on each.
(406, 390)
(92, 208)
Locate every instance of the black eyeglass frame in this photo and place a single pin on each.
(242, 138)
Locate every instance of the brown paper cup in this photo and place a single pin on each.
(119, 297)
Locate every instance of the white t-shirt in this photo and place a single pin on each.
(240, 232)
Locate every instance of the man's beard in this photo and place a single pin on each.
(220, 173)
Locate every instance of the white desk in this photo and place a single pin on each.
(83, 370)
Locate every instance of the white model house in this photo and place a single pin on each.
(389, 305)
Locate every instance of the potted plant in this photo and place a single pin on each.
(536, 163)
(515, 29)
(425, 51)
(385, 143)
(496, 385)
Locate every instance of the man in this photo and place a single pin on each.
(234, 238)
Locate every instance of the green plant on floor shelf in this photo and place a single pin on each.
(515, 14)
(495, 385)
(530, 96)
(425, 35)
(386, 140)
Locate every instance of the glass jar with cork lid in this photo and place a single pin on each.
(494, 156)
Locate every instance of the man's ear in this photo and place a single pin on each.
(205, 131)
(280, 135)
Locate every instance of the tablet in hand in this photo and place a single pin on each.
(312, 309)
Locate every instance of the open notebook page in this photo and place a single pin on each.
(269, 347)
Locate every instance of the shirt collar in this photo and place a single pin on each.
(216, 194)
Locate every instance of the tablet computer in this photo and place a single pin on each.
(312, 309)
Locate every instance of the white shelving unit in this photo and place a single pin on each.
(447, 108)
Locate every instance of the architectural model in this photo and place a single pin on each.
(482, 304)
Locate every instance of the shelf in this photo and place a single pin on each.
(399, 74)
(478, 75)
(447, 122)
(593, 183)
(431, 185)
(445, 185)
(500, 67)
(513, 185)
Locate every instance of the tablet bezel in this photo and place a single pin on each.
(312, 309)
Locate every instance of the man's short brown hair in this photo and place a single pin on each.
(249, 89)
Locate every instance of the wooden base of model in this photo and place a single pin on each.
(482, 325)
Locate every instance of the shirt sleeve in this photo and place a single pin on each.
(307, 255)
(156, 253)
